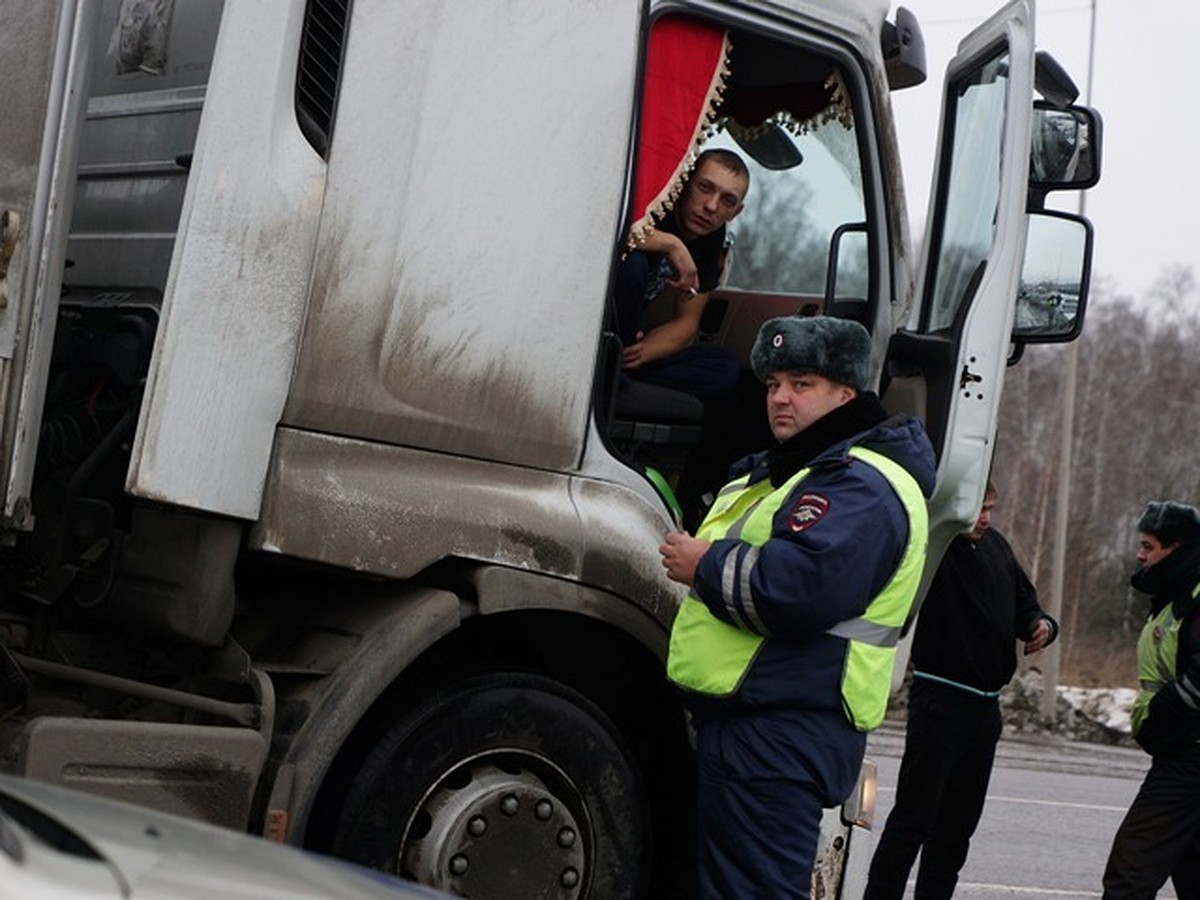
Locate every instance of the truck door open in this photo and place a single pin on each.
(42, 66)
(949, 364)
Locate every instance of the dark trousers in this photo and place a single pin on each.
(705, 371)
(949, 749)
(762, 792)
(1160, 835)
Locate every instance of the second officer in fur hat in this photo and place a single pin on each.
(801, 577)
(1159, 837)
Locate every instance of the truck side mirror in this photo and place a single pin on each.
(1054, 279)
(847, 276)
(1064, 152)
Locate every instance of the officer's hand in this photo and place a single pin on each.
(681, 554)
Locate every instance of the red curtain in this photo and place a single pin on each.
(686, 64)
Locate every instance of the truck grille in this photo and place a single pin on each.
(319, 69)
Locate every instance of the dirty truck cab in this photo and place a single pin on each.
(324, 513)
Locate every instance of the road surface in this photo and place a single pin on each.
(1051, 812)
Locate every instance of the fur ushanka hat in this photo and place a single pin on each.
(838, 349)
(1170, 522)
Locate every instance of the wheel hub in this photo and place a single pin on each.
(502, 828)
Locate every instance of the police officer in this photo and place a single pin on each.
(801, 577)
(1160, 835)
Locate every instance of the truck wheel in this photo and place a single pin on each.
(507, 787)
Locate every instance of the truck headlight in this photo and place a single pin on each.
(859, 808)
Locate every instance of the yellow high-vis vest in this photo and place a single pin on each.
(711, 657)
(1157, 651)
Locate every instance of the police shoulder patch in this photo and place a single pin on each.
(807, 511)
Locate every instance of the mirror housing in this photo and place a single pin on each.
(1064, 152)
(1054, 279)
(903, 47)
(1052, 81)
(769, 145)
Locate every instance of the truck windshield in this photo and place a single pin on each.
(782, 240)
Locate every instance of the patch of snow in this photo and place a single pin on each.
(1108, 706)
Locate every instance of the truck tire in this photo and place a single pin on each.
(504, 786)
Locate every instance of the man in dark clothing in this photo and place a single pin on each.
(979, 604)
(682, 259)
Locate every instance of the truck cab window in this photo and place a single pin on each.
(973, 187)
(783, 237)
(774, 124)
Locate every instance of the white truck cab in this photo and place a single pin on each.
(326, 511)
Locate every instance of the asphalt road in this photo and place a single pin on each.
(1052, 809)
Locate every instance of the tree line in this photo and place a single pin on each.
(1135, 439)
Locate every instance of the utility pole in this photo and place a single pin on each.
(1062, 501)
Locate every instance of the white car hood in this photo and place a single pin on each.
(156, 856)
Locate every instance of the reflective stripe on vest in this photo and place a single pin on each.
(711, 657)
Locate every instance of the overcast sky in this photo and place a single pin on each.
(1146, 79)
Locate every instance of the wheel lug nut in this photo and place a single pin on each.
(569, 878)
(566, 837)
(509, 805)
(477, 826)
(458, 865)
(543, 809)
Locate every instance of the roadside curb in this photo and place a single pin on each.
(1047, 752)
